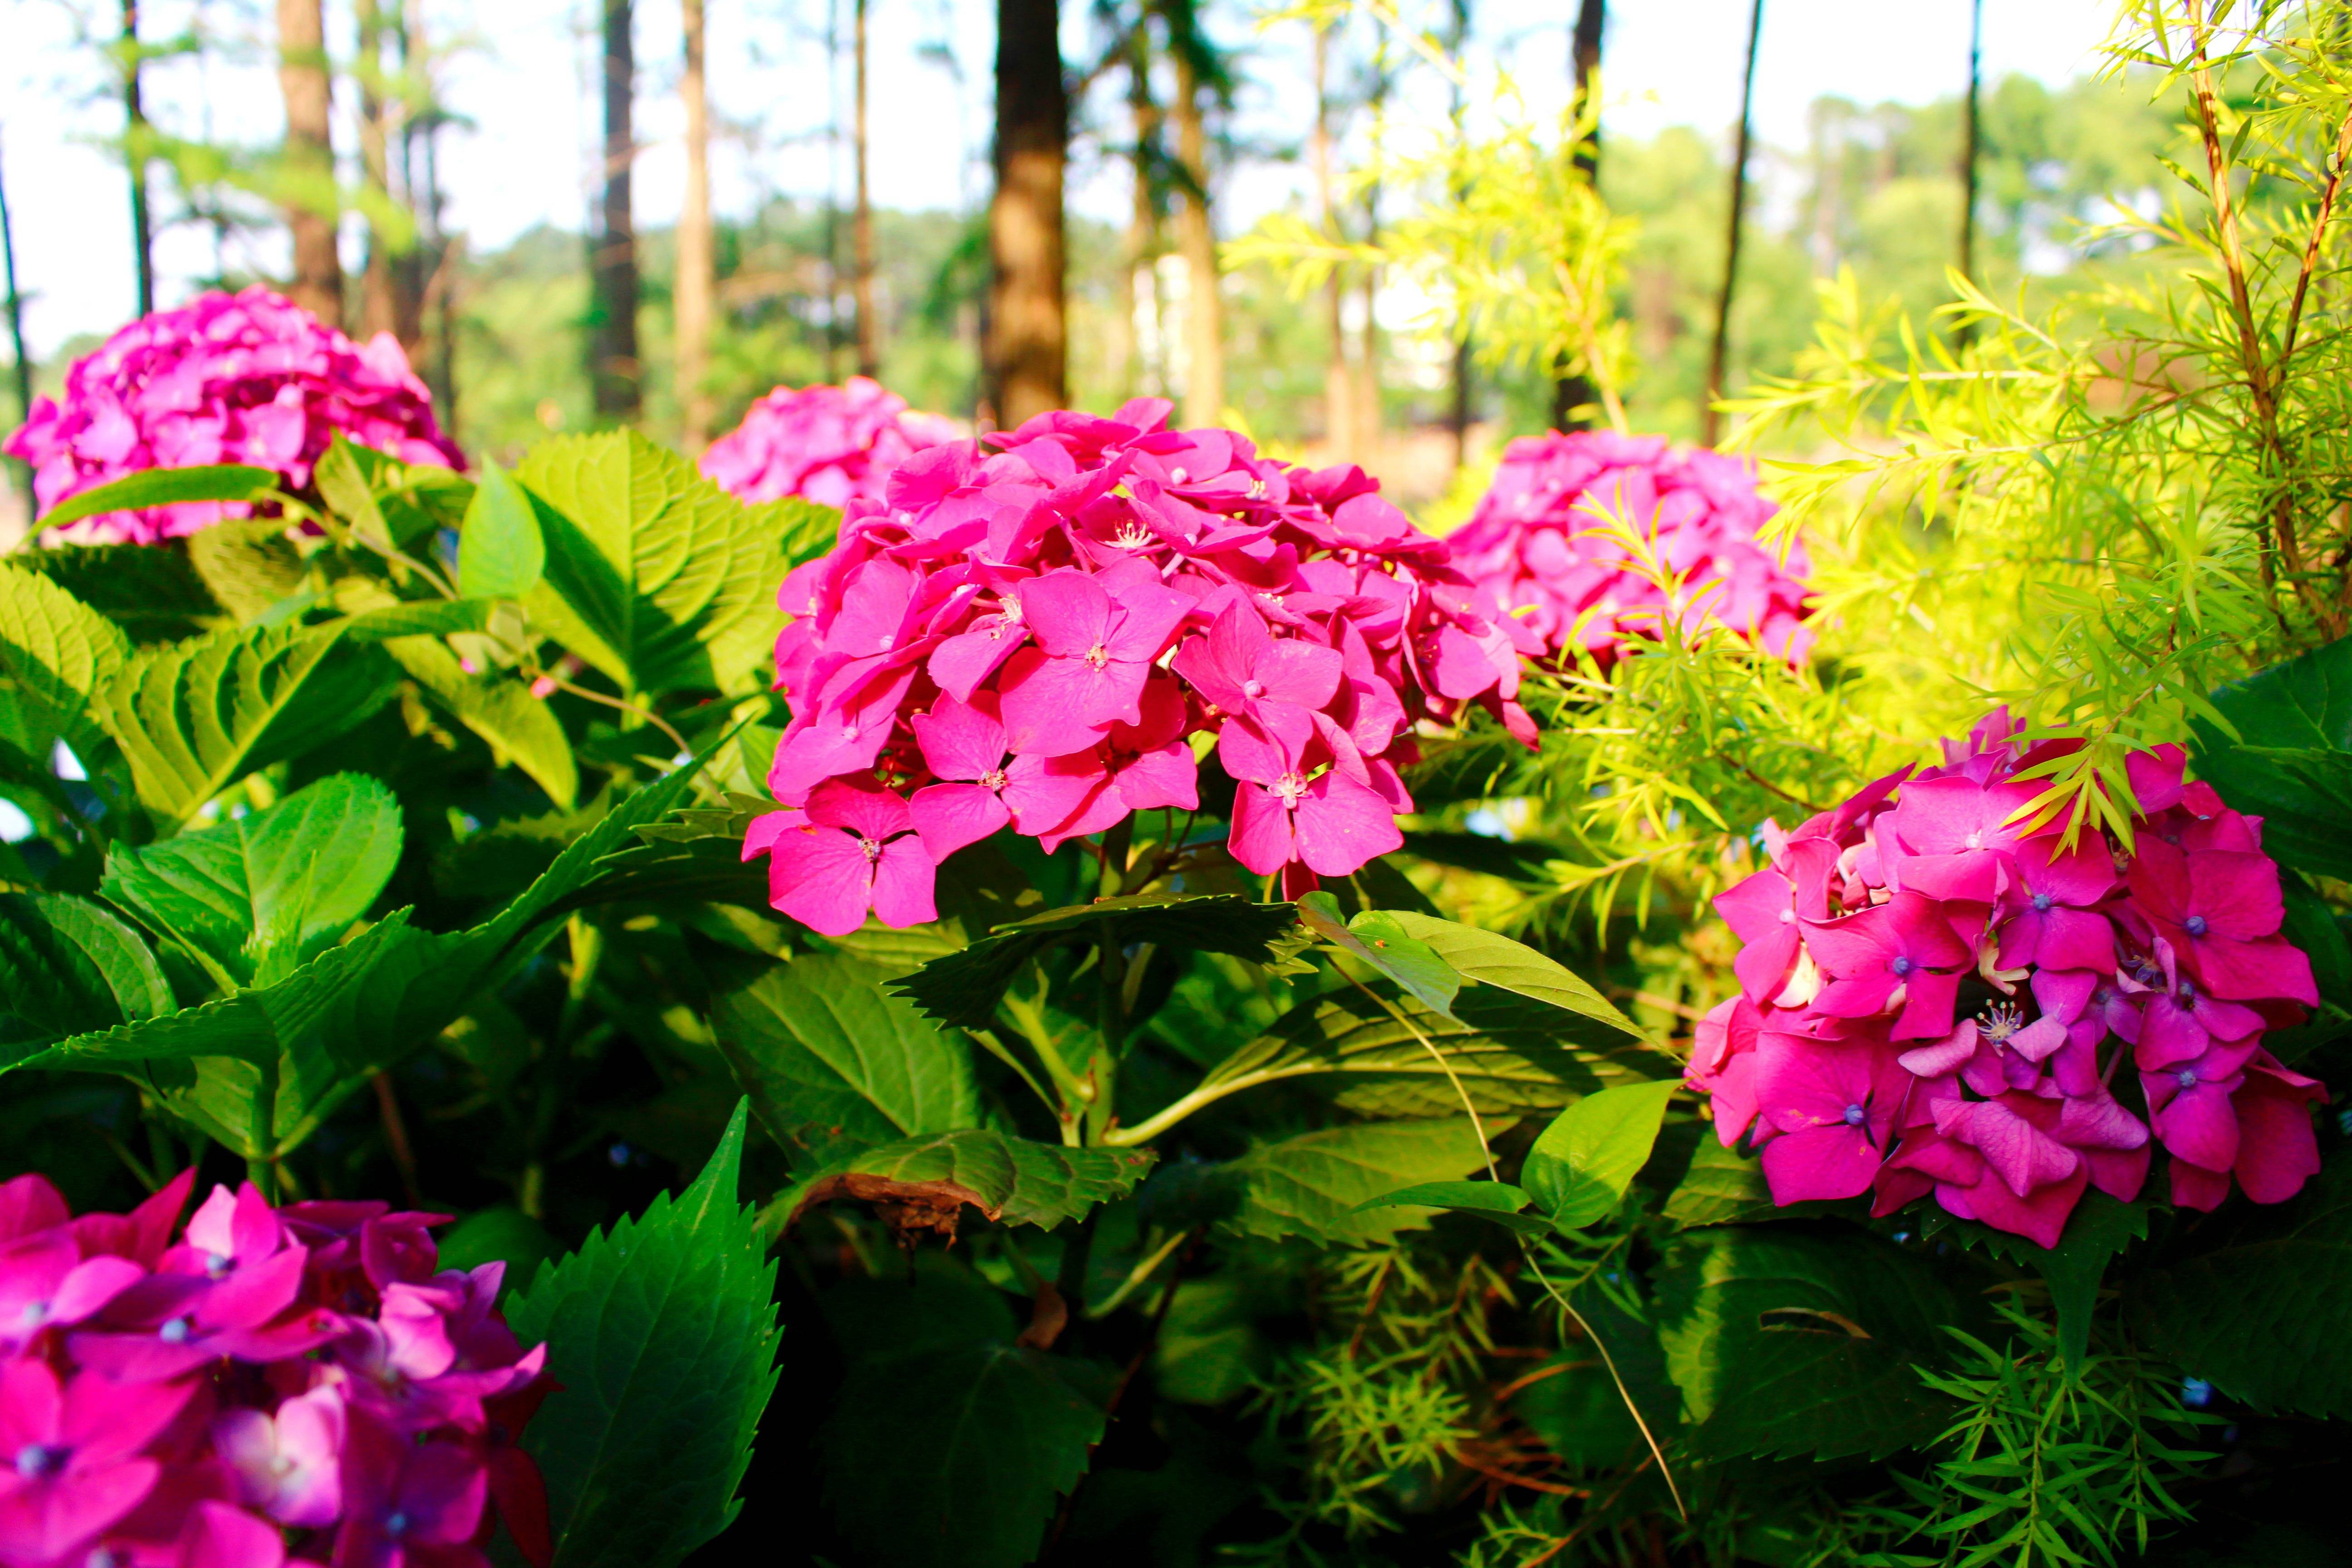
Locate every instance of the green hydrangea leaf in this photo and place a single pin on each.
(1580, 1167)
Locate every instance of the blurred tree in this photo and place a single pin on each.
(691, 294)
(388, 299)
(1138, 286)
(1573, 392)
(135, 154)
(307, 169)
(1338, 379)
(616, 371)
(1709, 417)
(861, 223)
(1028, 334)
(1200, 70)
(1968, 139)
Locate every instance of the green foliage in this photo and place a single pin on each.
(55, 653)
(951, 1443)
(1582, 1167)
(2286, 755)
(165, 486)
(1314, 1185)
(662, 1341)
(501, 553)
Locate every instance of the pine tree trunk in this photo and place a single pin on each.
(1028, 357)
(384, 305)
(1570, 393)
(1205, 316)
(1126, 365)
(1458, 415)
(696, 269)
(1338, 417)
(616, 370)
(1710, 418)
(135, 157)
(311, 203)
(861, 221)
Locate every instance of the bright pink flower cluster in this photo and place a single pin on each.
(826, 444)
(244, 378)
(1548, 541)
(278, 1385)
(1934, 1000)
(1031, 630)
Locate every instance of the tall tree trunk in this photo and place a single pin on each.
(1458, 415)
(311, 203)
(617, 373)
(134, 158)
(697, 272)
(384, 305)
(1570, 393)
(1338, 402)
(834, 338)
(1367, 400)
(1969, 134)
(434, 286)
(861, 222)
(1135, 281)
(1028, 358)
(1205, 316)
(1710, 418)
(24, 366)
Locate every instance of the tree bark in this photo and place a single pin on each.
(1458, 414)
(311, 202)
(1338, 402)
(1204, 319)
(616, 371)
(1135, 282)
(23, 366)
(1570, 393)
(1711, 418)
(134, 158)
(1969, 134)
(1028, 335)
(697, 280)
(861, 222)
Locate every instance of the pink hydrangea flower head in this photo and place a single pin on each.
(247, 378)
(1938, 1001)
(1047, 630)
(247, 1391)
(1589, 538)
(826, 444)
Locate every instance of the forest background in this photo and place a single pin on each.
(1270, 114)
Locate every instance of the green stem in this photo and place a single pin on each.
(262, 1169)
(1110, 975)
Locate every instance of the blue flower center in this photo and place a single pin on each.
(2194, 925)
(34, 1460)
(1855, 1116)
(2042, 902)
(2188, 994)
(33, 1312)
(2186, 1078)
(217, 1264)
(395, 1524)
(1901, 966)
(176, 1331)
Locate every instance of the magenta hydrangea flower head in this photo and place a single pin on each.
(826, 444)
(281, 1385)
(1936, 1001)
(1593, 538)
(1047, 628)
(248, 377)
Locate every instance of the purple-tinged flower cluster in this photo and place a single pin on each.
(1031, 629)
(1591, 538)
(244, 378)
(825, 444)
(276, 1385)
(1934, 1000)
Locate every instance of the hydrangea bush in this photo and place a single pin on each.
(1588, 538)
(831, 444)
(244, 378)
(1938, 998)
(264, 1385)
(1033, 630)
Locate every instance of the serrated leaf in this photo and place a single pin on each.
(1310, 1185)
(1721, 1186)
(500, 553)
(949, 1442)
(1492, 959)
(1792, 1344)
(248, 563)
(1508, 1053)
(2289, 763)
(929, 1180)
(1580, 1167)
(1376, 937)
(55, 653)
(151, 591)
(195, 717)
(69, 967)
(964, 987)
(518, 727)
(661, 1338)
(830, 1059)
(163, 487)
(263, 893)
(653, 574)
(2263, 1309)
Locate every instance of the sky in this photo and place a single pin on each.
(519, 73)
